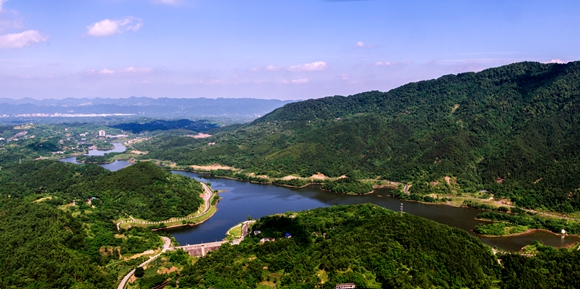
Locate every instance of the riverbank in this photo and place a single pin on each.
(457, 202)
(209, 209)
(340, 185)
(529, 231)
(488, 203)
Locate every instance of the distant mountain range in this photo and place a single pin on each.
(238, 108)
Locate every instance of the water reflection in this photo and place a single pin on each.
(119, 148)
(242, 199)
(114, 166)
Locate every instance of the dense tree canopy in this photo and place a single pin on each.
(142, 190)
(44, 247)
(57, 220)
(364, 244)
(512, 130)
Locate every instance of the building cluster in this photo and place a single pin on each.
(264, 240)
(102, 133)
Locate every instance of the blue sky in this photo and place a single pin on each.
(294, 49)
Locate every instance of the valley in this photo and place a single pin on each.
(490, 156)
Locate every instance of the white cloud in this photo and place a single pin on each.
(559, 61)
(314, 66)
(295, 81)
(2, 3)
(132, 69)
(106, 72)
(126, 71)
(22, 39)
(110, 27)
(365, 45)
(386, 63)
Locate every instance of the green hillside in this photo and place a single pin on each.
(343, 244)
(142, 190)
(512, 130)
(45, 248)
(57, 220)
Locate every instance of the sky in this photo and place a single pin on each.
(293, 49)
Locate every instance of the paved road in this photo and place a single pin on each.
(406, 190)
(245, 229)
(206, 197)
(166, 246)
(244, 232)
(166, 241)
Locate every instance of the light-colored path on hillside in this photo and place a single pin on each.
(207, 196)
(166, 246)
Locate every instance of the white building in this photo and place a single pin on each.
(102, 133)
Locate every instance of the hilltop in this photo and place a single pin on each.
(58, 220)
(513, 131)
(321, 247)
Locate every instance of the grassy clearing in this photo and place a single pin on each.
(234, 232)
(43, 199)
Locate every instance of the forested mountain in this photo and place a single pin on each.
(185, 124)
(512, 130)
(57, 220)
(45, 247)
(142, 190)
(364, 244)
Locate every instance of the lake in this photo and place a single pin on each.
(242, 199)
(114, 166)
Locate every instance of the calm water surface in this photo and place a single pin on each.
(114, 166)
(119, 148)
(242, 199)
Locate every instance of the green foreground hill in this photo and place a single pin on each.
(512, 130)
(363, 244)
(57, 220)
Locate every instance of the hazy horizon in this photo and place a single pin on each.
(285, 50)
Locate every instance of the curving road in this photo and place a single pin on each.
(166, 246)
(166, 241)
(245, 226)
(207, 196)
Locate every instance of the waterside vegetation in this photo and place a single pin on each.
(512, 131)
(58, 220)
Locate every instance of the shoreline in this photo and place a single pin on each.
(186, 224)
(270, 182)
(211, 210)
(529, 231)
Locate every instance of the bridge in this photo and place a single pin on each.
(201, 249)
